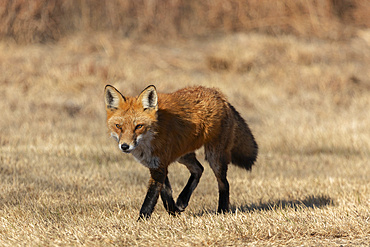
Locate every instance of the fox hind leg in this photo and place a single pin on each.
(196, 170)
(219, 162)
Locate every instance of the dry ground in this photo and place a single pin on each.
(64, 182)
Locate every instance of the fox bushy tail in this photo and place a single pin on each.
(245, 149)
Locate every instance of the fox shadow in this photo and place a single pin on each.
(311, 201)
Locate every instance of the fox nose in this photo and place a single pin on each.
(124, 147)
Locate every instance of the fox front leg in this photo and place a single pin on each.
(156, 181)
(168, 202)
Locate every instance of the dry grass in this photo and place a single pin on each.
(64, 182)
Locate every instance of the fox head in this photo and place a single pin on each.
(131, 120)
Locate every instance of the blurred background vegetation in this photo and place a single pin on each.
(40, 21)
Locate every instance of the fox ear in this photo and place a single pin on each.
(112, 97)
(148, 97)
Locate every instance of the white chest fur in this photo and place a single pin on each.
(143, 151)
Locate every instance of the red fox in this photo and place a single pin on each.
(159, 129)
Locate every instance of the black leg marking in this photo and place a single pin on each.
(196, 170)
(155, 186)
(168, 202)
(218, 162)
(223, 190)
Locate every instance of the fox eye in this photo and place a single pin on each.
(139, 126)
(119, 126)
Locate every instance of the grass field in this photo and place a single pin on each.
(63, 181)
